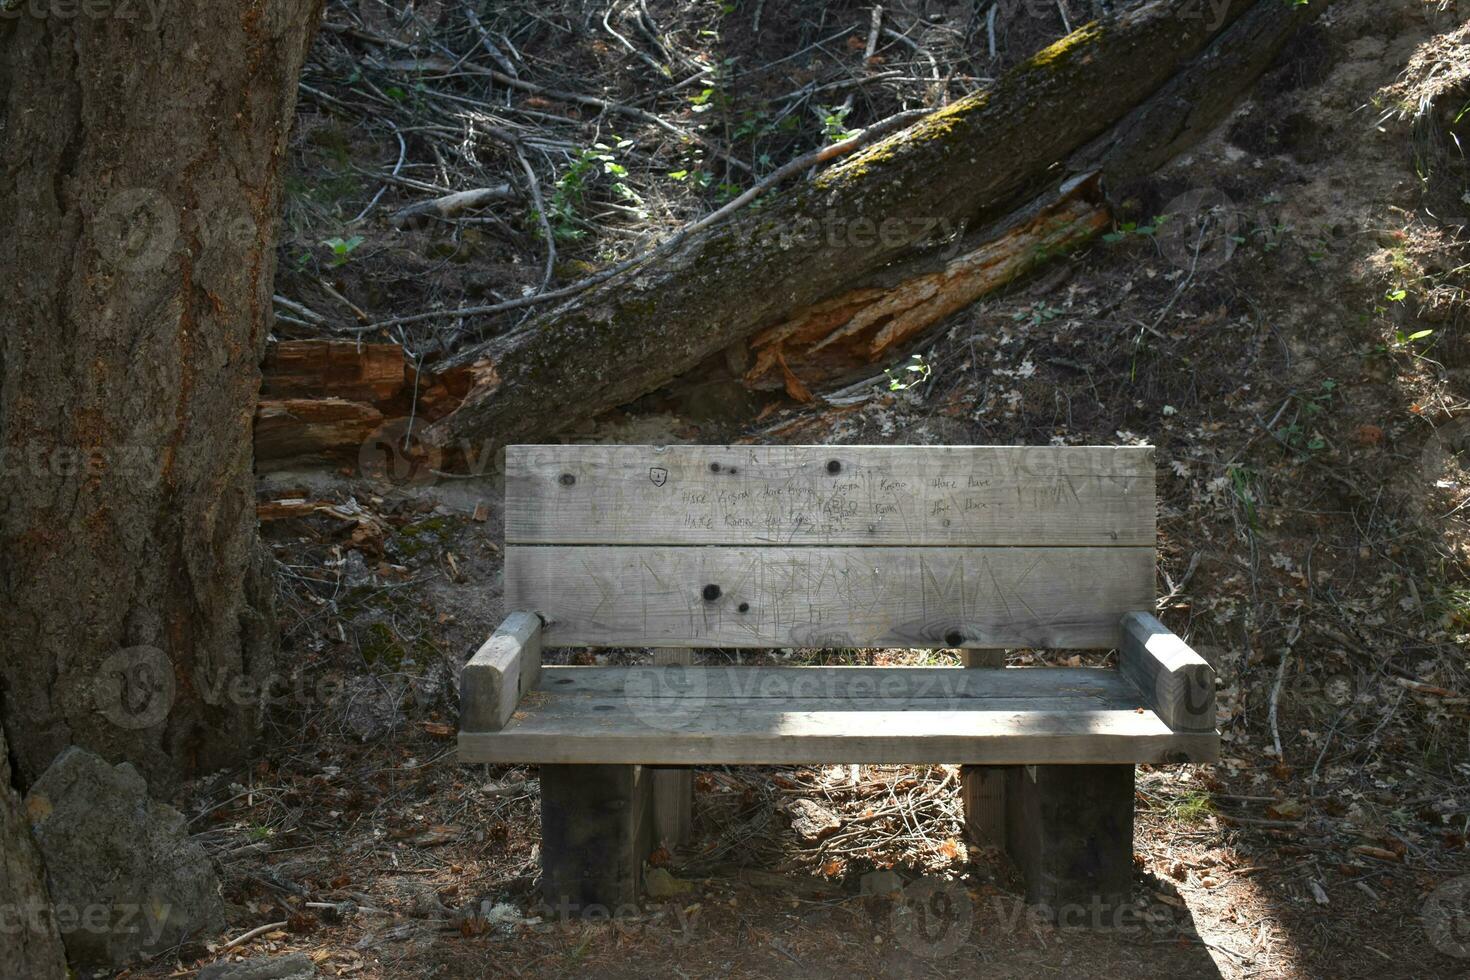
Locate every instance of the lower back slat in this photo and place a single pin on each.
(830, 597)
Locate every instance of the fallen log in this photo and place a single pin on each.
(646, 326)
(837, 337)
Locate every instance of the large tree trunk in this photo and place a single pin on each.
(962, 167)
(142, 164)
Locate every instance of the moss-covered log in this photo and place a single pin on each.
(964, 165)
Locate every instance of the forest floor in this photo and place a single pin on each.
(1303, 369)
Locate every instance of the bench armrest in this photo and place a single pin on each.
(1178, 682)
(507, 666)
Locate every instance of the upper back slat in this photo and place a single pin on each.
(943, 496)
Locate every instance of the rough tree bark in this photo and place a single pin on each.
(963, 167)
(142, 164)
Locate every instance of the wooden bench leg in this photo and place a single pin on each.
(596, 829)
(1070, 831)
(673, 786)
(983, 788)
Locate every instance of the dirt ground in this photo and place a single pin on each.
(1281, 311)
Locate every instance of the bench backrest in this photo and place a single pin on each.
(830, 546)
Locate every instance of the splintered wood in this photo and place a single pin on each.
(322, 399)
(838, 336)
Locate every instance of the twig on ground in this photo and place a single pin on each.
(257, 931)
(494, 52)
(402, 155)
(814, 158)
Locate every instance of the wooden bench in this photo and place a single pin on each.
(979, 548)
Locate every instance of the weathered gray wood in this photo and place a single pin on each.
(595, 833)
(1178, 683)
(1069, 830)
(830, 597)
(983, 788)
(1100, 687)
(983, 659)
(673, 786)
(504, 669)
(830, 495)
(813, 715)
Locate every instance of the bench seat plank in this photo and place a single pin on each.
(760, 715)
(1071, 598)
(1100, 496)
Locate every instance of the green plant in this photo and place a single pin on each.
(1243, 487)
(572, 187)
(1134, 228)
(1298, 434)
(918, 372)
(1037, 313)
(833, 122)
(1193, 807)
(342, 249)
(1402, 340)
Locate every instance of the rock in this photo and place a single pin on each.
(812, 821)
(658, 883)
(123, 874)
(881, 884)
(296, 966)
(355, 571)
(31, 947)
(370, 708)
